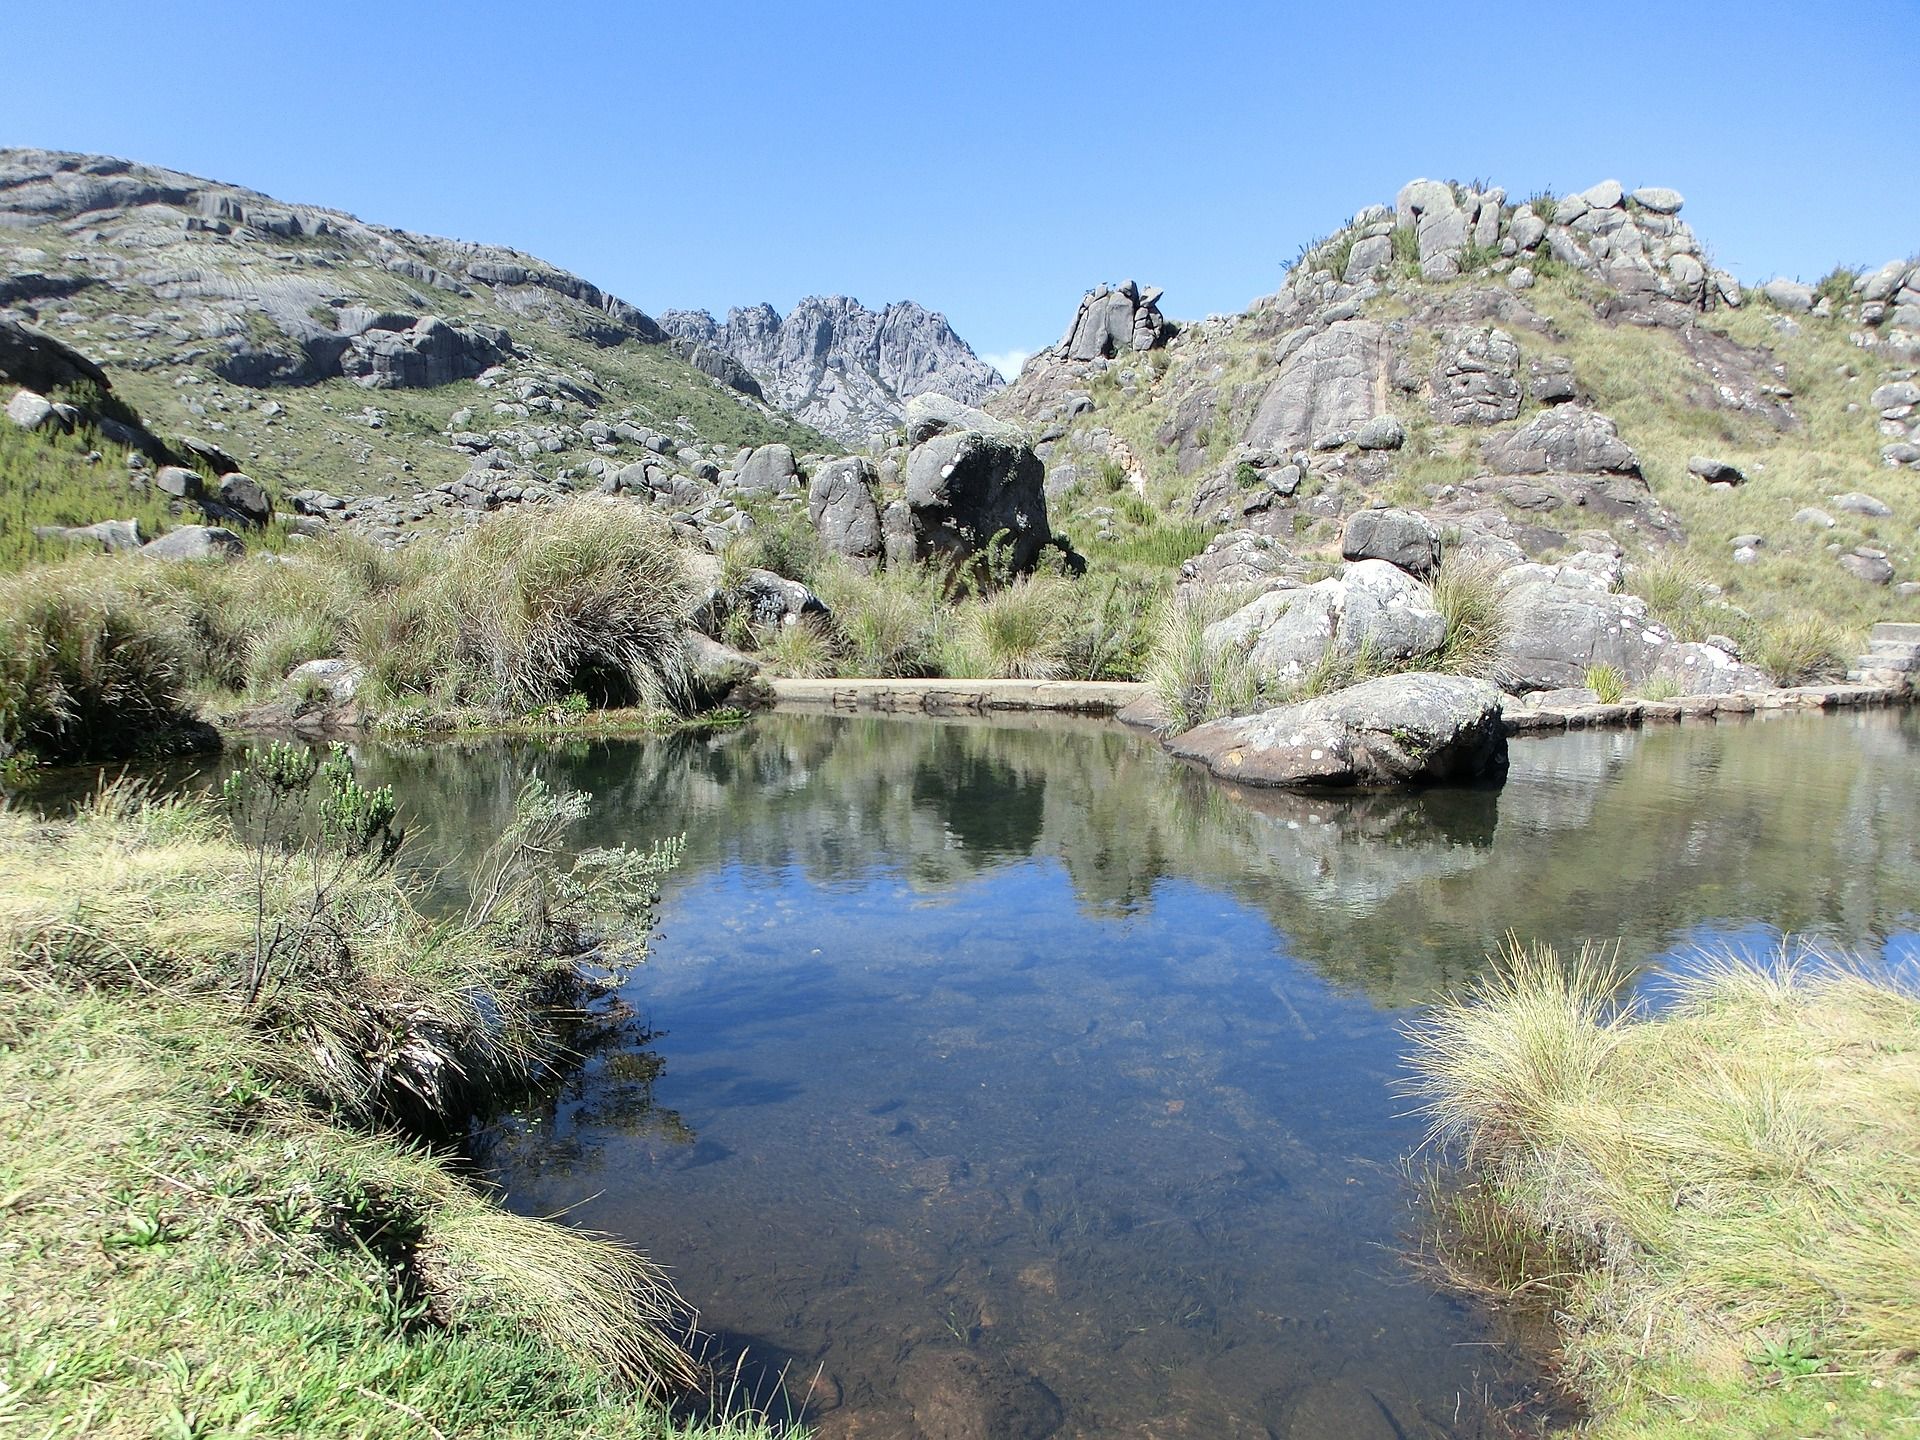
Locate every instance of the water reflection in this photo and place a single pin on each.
(1022, 1082)
(1802, 823)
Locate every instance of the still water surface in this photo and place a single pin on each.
(1016, 1081)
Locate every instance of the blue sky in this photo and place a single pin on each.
(994, 160)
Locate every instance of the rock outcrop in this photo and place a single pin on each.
(844, 513)
(968, 490)
(844, 369)
(1371, 609)
(1114, 320)
(1396, 730)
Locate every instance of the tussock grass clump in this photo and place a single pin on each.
(84, 670)
(1607, 683)
(803, 650)
(892, 624)
(1019, 632)
(536, 605)
(1468, 597)
(1803, 651)
(1739, 1167)
(212, 1227)
(1679, 594)
(1194, 682)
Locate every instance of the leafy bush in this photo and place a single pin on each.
(1111, 628)
(1836, 286)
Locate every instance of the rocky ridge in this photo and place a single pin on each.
(1562, 380)
(404, 382)
(834, 364)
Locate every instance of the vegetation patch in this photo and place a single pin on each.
(1720, 1191)
(226, 1032)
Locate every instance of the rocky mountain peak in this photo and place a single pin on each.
(831, 362)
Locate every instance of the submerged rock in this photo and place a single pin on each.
(1397, 730)
(975, 1395)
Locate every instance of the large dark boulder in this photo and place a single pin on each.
(1397, 730)
(966, 489)
(42, 363)
(245, 499)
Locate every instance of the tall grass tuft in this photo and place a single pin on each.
(85, 673)
(1735, 1164)
(534, 606)
(1467, 596)
(1194, 682)
(1803, 651)
(892, 624)
(1019, 632)
(803, 650)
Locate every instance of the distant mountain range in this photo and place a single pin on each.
(843, 369)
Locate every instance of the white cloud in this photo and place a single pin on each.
(1008, 362)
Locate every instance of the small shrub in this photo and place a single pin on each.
(1111, 628)
(786, 543)
(1543, 204)
(1679, 595)
(1406, 246)
(1113, 475)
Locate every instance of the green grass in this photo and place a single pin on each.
(1730, 1184)
(1193, 681)
(213, 1225)
(1018, 632)
(1607, 683)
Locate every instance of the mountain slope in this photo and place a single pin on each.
(844, 369)
(324, 352)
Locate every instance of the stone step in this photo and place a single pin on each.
(1899, 632)
(1894, 664)
(1894, 652)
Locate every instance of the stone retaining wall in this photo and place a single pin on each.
(948, 697)
(1524, 720)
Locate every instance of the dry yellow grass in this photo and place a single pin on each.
(1742, 1163)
